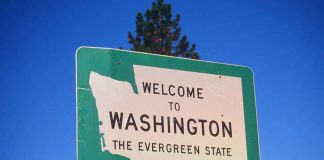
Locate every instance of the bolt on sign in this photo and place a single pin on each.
(140, 106)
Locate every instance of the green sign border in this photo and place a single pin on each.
(118, 64)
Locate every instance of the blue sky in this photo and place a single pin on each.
(282, 41)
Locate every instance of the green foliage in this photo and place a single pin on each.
(157, 32)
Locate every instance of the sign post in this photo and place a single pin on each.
(142, 106)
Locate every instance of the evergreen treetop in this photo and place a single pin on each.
(157, 32)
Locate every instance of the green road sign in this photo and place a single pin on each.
(140, 106)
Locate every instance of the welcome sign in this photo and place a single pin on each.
(141, 106)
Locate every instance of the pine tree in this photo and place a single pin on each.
(157, 32)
